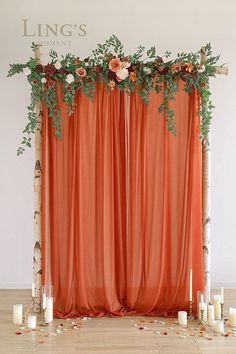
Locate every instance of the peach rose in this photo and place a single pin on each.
(115, 65)
(81, 72)
(175, 68)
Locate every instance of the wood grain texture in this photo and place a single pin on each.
(104, 335)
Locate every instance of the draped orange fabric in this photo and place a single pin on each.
(122, 206)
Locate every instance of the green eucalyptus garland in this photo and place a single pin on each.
(144, 71)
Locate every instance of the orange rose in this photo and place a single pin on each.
(111, 84)
(115, 65)
(133, 76)
(81, 72)
(188, 67)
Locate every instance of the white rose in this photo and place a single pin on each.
(43, 80)
(147, 70)
(58, 65)
(70, 78)
(122, 74)
(125, 64)
(27, 71)
(201, 68)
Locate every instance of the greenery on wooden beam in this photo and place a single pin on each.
(144, 71)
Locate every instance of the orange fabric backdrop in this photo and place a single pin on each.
(122, 223)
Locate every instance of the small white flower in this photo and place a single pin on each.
(43, 80)
(122, 74)
(125, 64)
(58, 65)
(70, 78)
(147, 70)
(26, 71)
(201, 68)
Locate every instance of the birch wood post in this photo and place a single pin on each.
(37, 258)
(206, 202)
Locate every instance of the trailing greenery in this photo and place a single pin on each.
(144, 71)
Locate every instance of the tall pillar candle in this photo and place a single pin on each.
(43, 301)
(222, 295)
(232, 317)
(49, 309)
(217, 307)
(191, 285)
(211, 315)
(17, 314)
(182, 318)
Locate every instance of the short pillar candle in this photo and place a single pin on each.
(17, 314)
(182, 318)
(31, 321)
(219, 326)
(232, 317)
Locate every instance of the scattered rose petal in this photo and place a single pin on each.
(41, 341)
(140, 327)
(165, 333)
(18, 333)
(209, 338)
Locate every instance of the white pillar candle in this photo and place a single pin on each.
(31, 321)
(33, 289)
(17, 314)
(219, 326)
(49, 309)
(217, 307)
(182, 318)
(232, 317)
(191, 285)
(44, 301)
(222, 294)
(211, 315)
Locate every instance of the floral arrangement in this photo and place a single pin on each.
(144, 71)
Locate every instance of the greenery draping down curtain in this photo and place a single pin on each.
(122, 206)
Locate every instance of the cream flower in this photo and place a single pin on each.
(70, 78)
(147, 70)
(122, 74)
(125, 64)
(43, 80)
(26, 71)
(201, 68)
(57, 65)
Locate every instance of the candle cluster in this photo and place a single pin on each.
(31, 318)
(208, 312)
